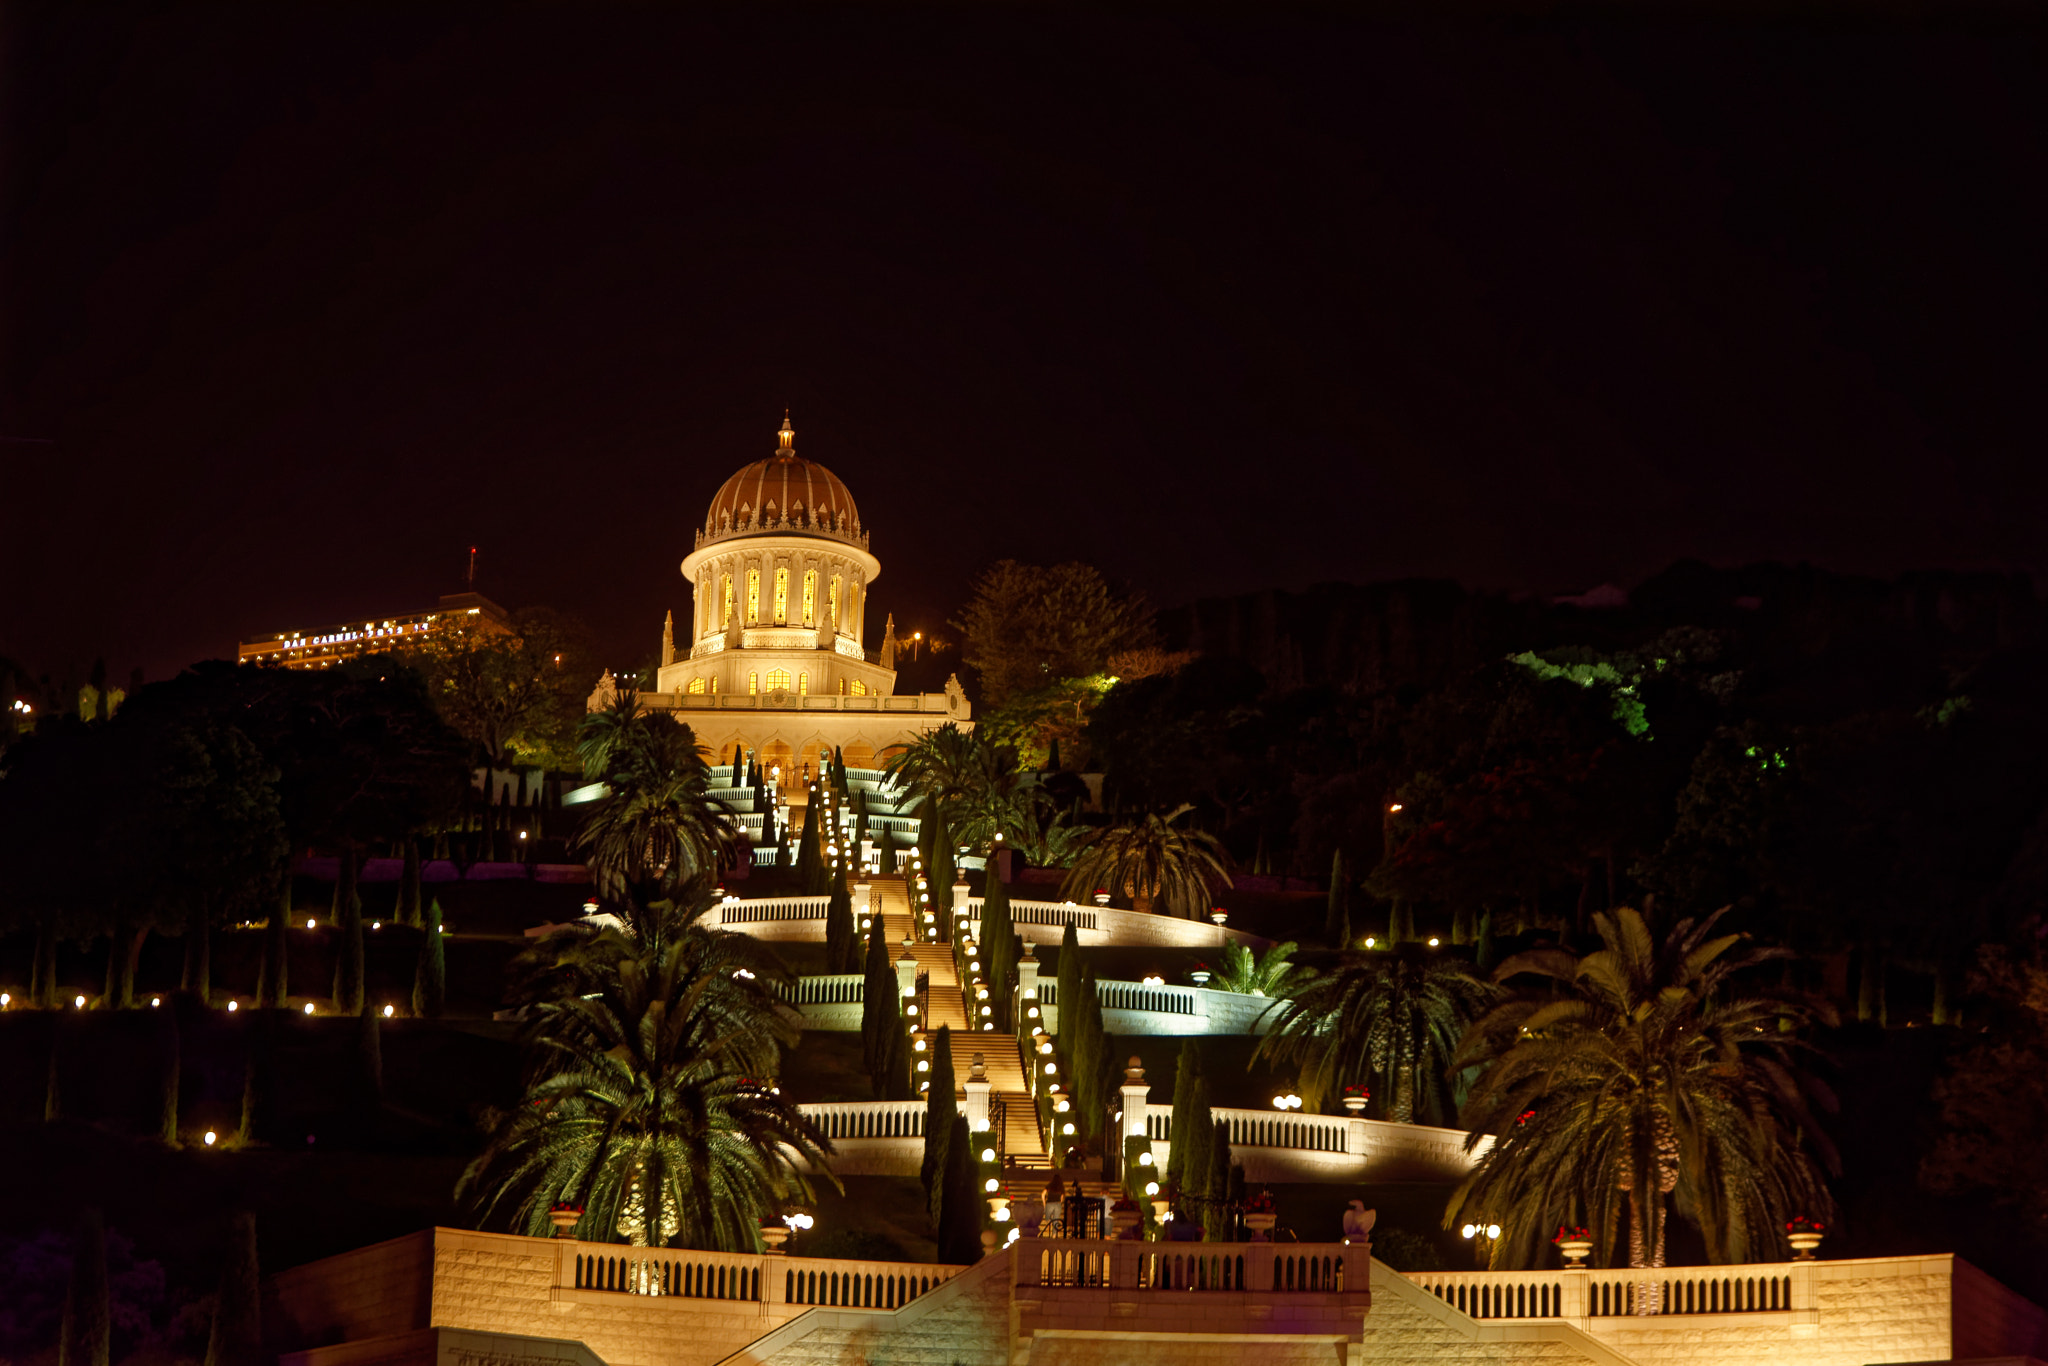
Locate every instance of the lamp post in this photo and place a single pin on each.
(1482, 1237)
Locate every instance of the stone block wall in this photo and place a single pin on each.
(373, 1292)
(965, 1322)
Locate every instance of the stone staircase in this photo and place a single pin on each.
(946, 1004)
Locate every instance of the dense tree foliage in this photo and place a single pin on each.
(516, 692)
(658, 826)
(1028, 627)
(648, 1099)
(1389, 1021)
(1661, 1071)
(1155, 861)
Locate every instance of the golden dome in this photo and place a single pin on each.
(783, 495)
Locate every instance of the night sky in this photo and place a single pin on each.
(302, 302)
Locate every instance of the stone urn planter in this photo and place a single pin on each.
(1126, 1220)
(775, 1235)
(1261, 1226)
(1160, 1209)
(1355, 1104)
(1803, 1245)
(1200, 977)
(1102, 898)
(564, 1221)
(1575, 1251)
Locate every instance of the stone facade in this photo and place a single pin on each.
(410, 1302)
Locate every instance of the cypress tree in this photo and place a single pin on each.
(1483, 955)
(1052, 756)
(840, 932)
(999, 945)
(940, 1106)
(860, 822)
(961, 1204)
(1337, 918)
(739, 772)
(43, 979)
(1223, 1228)
(198, 978)
(52, 1097)
(1190, 1155)
(409, 884)
(768, 833)
(1184, 1078)
(939, 868)
(886, 850)
(168, 1070)
(272, 979)
(430, 977)
(370, 1056)
(348, 958)
(810, 862)
(1067, 985)
(927, 823)
(85, 1337)
(897, 1077)
(237, 1336)
(881, 1008)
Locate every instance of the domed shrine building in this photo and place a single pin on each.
(772, 656)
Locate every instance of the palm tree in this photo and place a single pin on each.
(659, 826)
(1151, 860)
(1658, 1073)
(944, 764)
(649, 1099)
(1250, 974)
(1392, 1018)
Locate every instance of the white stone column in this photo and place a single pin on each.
(1134, 1091)
(906, 974)
(975, 1107)
(1027, 987)
(959, 895)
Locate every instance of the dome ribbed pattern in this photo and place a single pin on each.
(784, 493)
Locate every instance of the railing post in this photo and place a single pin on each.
(565, 1263)
(1575, 1298)
(1355, 1136)
(1123, 1264)
(1135, 1091)
(906, 973)
(1805, 1299)
(977, 1085)
(1258, 1266)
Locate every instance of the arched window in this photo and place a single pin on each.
(778, 680)
(781, 596)
(835, 602)
(753, 597)
(810, 597)
(714, 685)
(753, 682)
(699, 686)
(857, 688)
(803, 684)
(725, 615)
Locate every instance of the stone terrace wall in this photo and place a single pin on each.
(1990, 1320)
(373, 1292)
(1408, 1326)
(965, 1322)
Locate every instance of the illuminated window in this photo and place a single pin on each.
(714, 684)
(725, 616)
(803, 684)
(835, 602)
(857, 688)
(778, 680)
(753, 681)
(753, 597)
(781, 597)
(699, 686)
(810, 597)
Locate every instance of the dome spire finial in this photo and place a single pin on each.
(787, 436)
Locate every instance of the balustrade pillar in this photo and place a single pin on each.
(1135, 1092)
(976, 1105)
(1355, 1136)
(1575, 1295)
